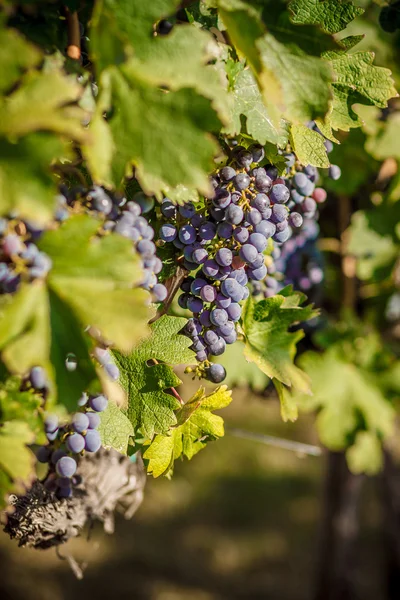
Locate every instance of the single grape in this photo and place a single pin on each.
(196, 285)
(94, 420)
(261, 202)
(83, 399)
(80, 422)
(98, 403)
(224, 257)
(266, 228)
(222, 301)
(300, 180)
(241, 234)
(259, 273)
(210, 268)
(75, 443)
(12, 244)
(51, 424)
(204, 318)
(219, 316)
(164, 27)
(201, 356)
(334, 172)
(159, 292)
(210, 337)
(215, 373)
(295, 219)
(43, 452)
(168, 232)
(258, 153)
(319, 195)
(279, 193)
(217, 213)
(195, 305)
(168, 209)
(227, 173)
(199, 256)
(234, 311)
(207, 231)
(208, 293)
(37, 377)
(241, 181)
(92, 440)
(187, 210)
(258, 262)
(224, 230)
(57, 454)
(222, 198)
(187, 234)
(282, 236)
(112, 370)
(259, 241)
(218, 348)
(232, 289)
(248, 253)
(66, 467)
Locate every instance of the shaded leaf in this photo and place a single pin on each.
(309, 146)
(16, 460)
(115, 428)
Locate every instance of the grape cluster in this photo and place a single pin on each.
(68, 441)
(20, 258)
(224, 243)
(122, 217)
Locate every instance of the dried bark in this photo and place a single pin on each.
(110, 482)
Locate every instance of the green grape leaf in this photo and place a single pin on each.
(357, 80)
(16, 56)
(384, 143)
(303, 81)
(196, 425)
(115, 428)
(269, 343)
(43, 102)
(26, 182)
(309, 146)
(150, 408)
(331, 15)
(16, 460)
(177, 124)
(289, 410)
(245, 373)
(45, 320)
(343, 393)
(119, 25)
(248, 101)
(20, 406)
(372, 249)
(182, 60)
(365, 455)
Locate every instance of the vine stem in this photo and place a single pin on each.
(74, 35)
(271, 440)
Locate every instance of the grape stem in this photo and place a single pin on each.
(73, 33)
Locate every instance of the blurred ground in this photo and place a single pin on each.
(239, 521)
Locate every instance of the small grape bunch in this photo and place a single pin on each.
(125, 218)
(69, 441)
(20, 258)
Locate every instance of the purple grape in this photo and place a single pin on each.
(259, 273)
(234, 214)
(195, 305)
(295, 219)
(197, 220)
(187, 234)
(43, 452)
(227, 173)
(224, 257)
(92, 440)
(187, 210)
(199, 256)
(232, 289)
(261, 202)
(241, 235)
(258, 262)
(183, 300)
(112, 370)
(98, 403)
(215, 373)
(66, 467)
(282, 236)
(281, 226)
(197, 285)
(248, 253)
(309, 205)
(197, 346)
(244, 158)
(300, 180)
(207, 231)
(80, 422)
(12, 244)
(266, 228)
(217, 213)
(83, 399)
(146, 248)
(168, 209)
(210, 337)
(240, 276)
(234, 311)
(257, 152)
(201, 356)
(204, 318)
(222, 301)
(218, 348)
(259, 241)
(208, 293)
(231, 338)
(51, 424)
(279, 193)
(159, 292)
(334, 172)
(168, 232)
(75, 443)
(241, 181)
(222, 198)
(219, 316)
(253, 216)
(279, 213)
(37, 377)
(94, 420)
(224, 230)
(210, 268)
